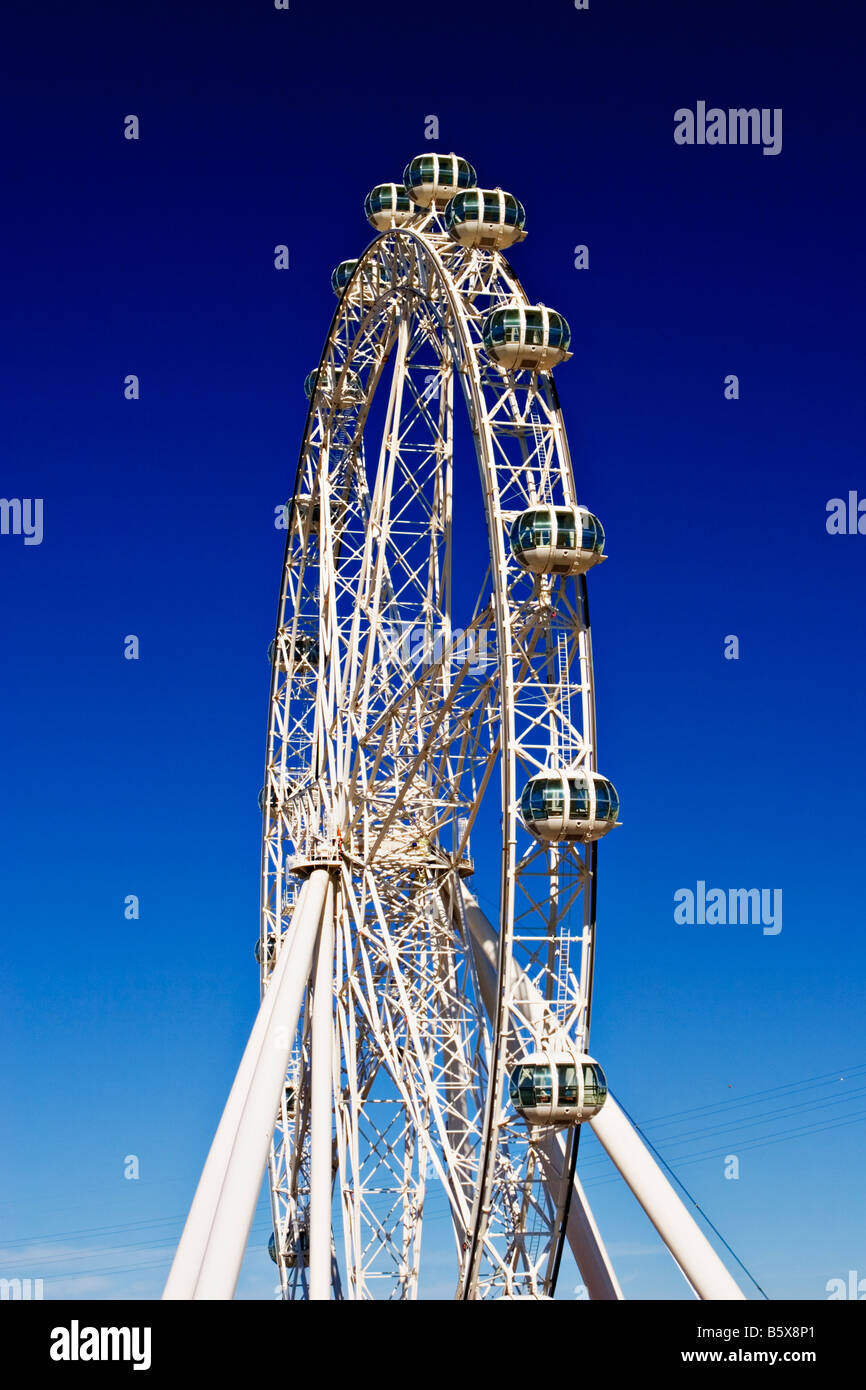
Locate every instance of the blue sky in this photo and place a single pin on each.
(155, 257)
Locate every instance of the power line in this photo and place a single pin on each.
(694, 1202)
(737, 1125)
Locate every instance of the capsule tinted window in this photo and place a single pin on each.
(491, 207)
(542, 1084)
(578, 800)
(511, 320)
(554, 800)
(566, 535)
(566, 1074)
(534, 327)
(560, 333)
(594, 1085)
(602, 800)
(588, 533)
(522, 533)
(543, 528)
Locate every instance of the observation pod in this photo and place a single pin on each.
(431, 179)
(297, 1252)
(269, 952)
(486, 217)
(574, 805)
(557, 540)
(524, 337)
(341, 275)
(305, 506)
(273, 806)
(344, 386)
(306, 651)
(388, 205)
(557, 1088)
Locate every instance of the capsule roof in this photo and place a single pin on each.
(434, 178)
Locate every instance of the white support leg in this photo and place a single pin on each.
(186, 1265)
(234, 1216)
(680, 1232)
(581, 1231)
(264, 1076)
(321, 1138)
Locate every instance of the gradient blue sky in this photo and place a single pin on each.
(261, 127)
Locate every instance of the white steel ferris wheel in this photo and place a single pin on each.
(431, 742)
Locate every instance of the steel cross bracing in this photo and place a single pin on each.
(419, 678)
(381, 756)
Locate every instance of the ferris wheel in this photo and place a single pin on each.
(432, 807)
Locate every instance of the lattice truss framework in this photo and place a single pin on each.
(385, 753)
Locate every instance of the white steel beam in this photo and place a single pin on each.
(581, 1231)
(233, 1172)
(237, 1203)
(680, 1232)
(321, 1139)
(186, 1265)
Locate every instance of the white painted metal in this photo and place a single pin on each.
(234, 1212)
(387, 759)
(680, 1232)
(586, 1243)
(587, 1246)
(321, 1107)
(186, 1265)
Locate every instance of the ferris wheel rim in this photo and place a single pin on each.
(467, 353)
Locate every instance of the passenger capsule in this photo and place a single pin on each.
(576, 805)
(344, 386)
(305, 507)
(268, 952)
(524, 337)
(557, 540)
(485, 217)
(273, 802)
(557, 1088)
(341, 276)
(297, 1252)
(434, 178)
(388, 205)
(306, 651)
